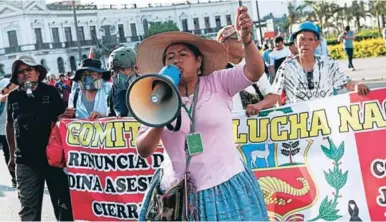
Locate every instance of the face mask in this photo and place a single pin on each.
(123, 81)
(89, 83)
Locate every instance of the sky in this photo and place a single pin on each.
(265, 6)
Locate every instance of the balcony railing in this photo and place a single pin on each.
(12, 49)
(41, 46)
(110, 41)
(203, 31)
(135, 38)
(70, 44)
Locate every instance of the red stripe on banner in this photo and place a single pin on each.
(372, 156)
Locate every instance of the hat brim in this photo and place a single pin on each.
(150, 51)
(106, 75)
(41, 69)
(306, 30)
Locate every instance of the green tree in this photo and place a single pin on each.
(321, 11)
(358, 12)
(377, 8)
(160, 27)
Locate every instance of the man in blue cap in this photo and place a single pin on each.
(309, 76)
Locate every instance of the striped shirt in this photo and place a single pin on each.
(292, 78)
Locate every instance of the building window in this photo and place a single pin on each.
(207, 22)
(72, 63)
(12, 38)
(133, 29)
(145, 27)
(93, 34)
(229, 19)
(121, 32)
(106, 30)
(38, 36)
(56, 38)
(81, 33)
(218, 22)
(196, 23)
(67, 32)
(60, 65)
(55, 35)
(184, 25)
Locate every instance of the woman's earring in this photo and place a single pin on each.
(199, 72)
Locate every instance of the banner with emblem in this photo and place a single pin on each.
(314, 161)
(319, 160)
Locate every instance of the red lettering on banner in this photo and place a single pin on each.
(106, 176)
(370, 149)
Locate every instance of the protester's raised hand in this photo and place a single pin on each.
(244, 24)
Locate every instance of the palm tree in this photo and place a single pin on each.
(322, 11)
(334, 16)
(293, 16)
(377, 8)
(347, 13)
(358, 12)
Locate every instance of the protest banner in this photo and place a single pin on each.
(320, 160)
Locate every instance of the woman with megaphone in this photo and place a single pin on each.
(202, 176)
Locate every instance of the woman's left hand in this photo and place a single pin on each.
(244, 24)
(95, 115)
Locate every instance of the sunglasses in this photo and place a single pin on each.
(310, 77)
(28, 69)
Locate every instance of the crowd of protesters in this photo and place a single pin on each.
(34, 101)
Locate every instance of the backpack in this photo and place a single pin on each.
(66, 94)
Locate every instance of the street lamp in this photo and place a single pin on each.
(258, 19)
(77, 30)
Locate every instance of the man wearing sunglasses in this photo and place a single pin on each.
(32, 108)
(260, 93)
(309, 76)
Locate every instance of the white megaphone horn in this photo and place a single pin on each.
(154, 99)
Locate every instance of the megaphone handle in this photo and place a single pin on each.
(178, 124)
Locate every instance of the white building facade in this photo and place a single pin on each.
(47, 32)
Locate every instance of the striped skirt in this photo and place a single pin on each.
(238, 199)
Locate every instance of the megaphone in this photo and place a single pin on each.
(154, 99)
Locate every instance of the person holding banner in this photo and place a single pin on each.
(90, 97)
(309, 76)
(260, 93)
(221, 186)
(122, 61)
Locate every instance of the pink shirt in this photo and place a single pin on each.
(220, 160)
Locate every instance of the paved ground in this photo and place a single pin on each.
(374, 68)
(9, 203)
(366, 69)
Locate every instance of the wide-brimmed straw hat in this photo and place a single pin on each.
(151, 50)
(29, 61)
